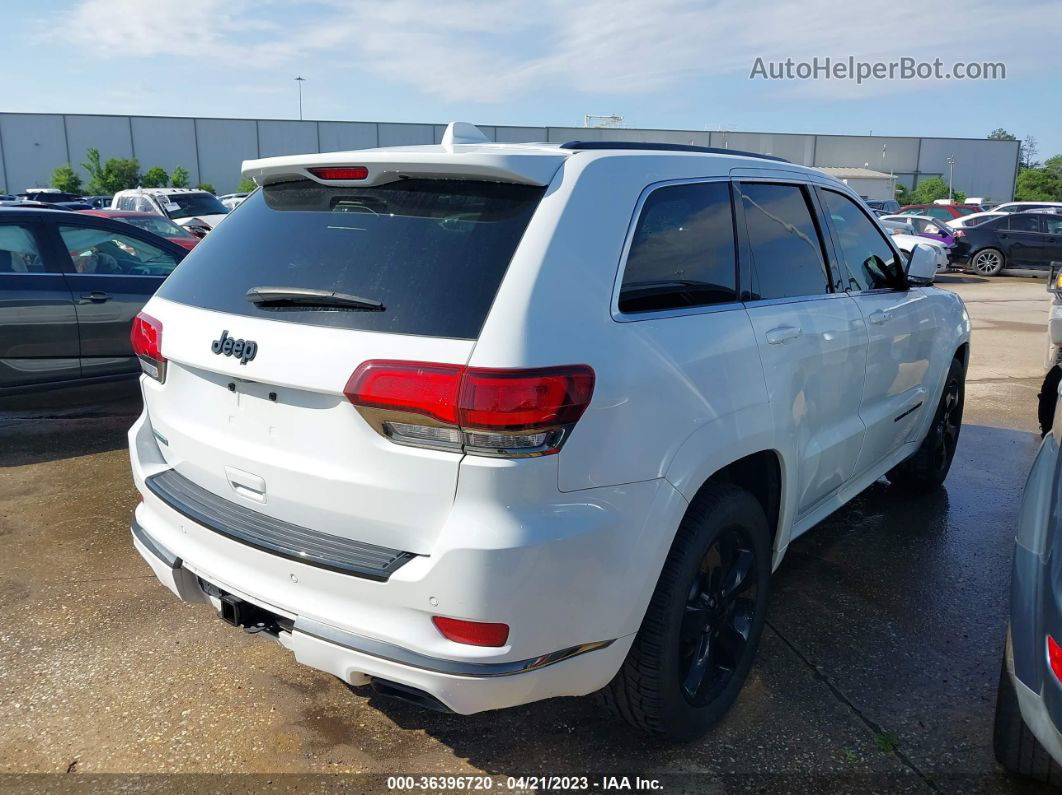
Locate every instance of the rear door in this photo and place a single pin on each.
(38, 327)
(901, 323)
(812, 338)
(273, 431)
(1024, 241)
(112, 271)
(1052, 226)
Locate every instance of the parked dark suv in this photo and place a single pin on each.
(70, 286)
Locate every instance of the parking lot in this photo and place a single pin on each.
(879, 666)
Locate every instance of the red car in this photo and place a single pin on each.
(944, 212)
(150, 222)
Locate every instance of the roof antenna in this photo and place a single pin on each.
(461, 132)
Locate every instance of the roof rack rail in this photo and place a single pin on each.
(662, 147)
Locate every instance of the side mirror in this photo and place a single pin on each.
(922, 265)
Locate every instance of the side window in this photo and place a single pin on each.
(126, 203)
(871, 262)
(18, 250)
(1024, 223)
(142, 205)
(938, 212)
(682, 252)
(101, 251)
(1052, 224)
(787, 257)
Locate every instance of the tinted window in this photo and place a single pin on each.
(938, 212)
(433, 252)
(871, 262)
(192, 204)
(102, 251)
(18, 250)
(786, 250)
(1052, 225)
(1024, 223)
(682, 253)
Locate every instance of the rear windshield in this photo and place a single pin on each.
(432, 252)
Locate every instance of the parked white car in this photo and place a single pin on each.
(906, 244)
(973, 219)
(1024, 207)
(196, 209)
(232, 200)
(481, 424)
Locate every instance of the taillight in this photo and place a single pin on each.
(959, 233)
(506, 413)
(473, 633)
(146, 337)
(340, 172)
(1054, 657)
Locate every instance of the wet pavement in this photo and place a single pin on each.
(877, 672)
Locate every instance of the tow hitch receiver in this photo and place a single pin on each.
(251, 617)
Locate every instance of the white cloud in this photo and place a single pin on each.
(498, 51)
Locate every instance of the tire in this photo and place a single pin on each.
(699, 636)
(1017, 748)
(1048, 398)
(929, 466)
(987, 262)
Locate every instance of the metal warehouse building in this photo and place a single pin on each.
(33, 144)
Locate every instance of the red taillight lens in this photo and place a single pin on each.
(524, 399)
(959, 233)
(146, 337)
(414, 387)
(1054, 657)
(472, 633)
(340, 172)
(483, 411)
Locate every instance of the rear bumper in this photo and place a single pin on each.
(1034, 711)
(571, 579)
(461, 686)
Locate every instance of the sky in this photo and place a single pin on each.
(673, 64)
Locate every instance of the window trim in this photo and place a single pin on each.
(807, 186)
(905, 285)
(635, 317)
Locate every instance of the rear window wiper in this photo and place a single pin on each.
(309, 298)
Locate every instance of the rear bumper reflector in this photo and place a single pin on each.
(275, 536)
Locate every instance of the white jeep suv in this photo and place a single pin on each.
(196, 209)
(480, 424)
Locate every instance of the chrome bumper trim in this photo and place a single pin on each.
(397, 654)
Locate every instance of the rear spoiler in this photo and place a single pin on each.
(533, 167)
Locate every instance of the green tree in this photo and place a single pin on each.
(246, 185)
(66, 179)
(903, 195)
(929, 190)
(1039, 184)
(156, 177)
(206, 186)
(999, 134)
(116, 174)
(179, 177)
(958, 197)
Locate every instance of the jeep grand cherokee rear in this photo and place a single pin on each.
(487, 423)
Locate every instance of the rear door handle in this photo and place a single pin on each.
(880, 318)
(783, 334)
(95, 297)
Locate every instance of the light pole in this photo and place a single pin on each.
(300, 81)
(951, 177)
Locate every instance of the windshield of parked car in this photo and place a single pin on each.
(189, 204)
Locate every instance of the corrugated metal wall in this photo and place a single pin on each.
(32, 145)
